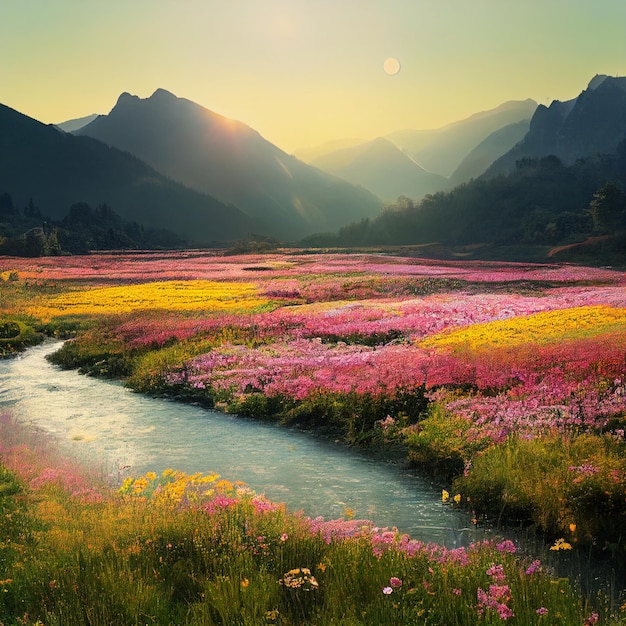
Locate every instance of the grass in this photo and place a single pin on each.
(179, 549)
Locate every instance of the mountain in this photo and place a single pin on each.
(57, 170)
(441, 151)
(233, 162)
(308, 155)
(592, 123)
(382, 168)
(521, 215)
(488, 151)
(71, 125)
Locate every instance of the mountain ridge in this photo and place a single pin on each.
(232, 162)
(592, 123)
(59, 169)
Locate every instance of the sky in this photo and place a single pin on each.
(304, 72)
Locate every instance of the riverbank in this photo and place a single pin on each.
(198, 549)
(504, 380)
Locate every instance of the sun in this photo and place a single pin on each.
(391, 66)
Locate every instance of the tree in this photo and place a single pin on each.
(6, 205)
(607, 208)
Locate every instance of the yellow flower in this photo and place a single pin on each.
(445, 495)
(572, 528)
(457, 498)
(245, 582)
(544, 327)
(561, 544)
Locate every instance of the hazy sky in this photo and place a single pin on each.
(302, 72)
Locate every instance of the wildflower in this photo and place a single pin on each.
(541, 611)
(321, 567)
(445, 495)
(572, 528)
(561, 544)
(592, 619)
(456, 592)
(533, 567)
(507, 546)
(299, 578)
(284, 537)
(395, 582)
(387, 590)
(457, 498)
(496, 572)
(245, 582)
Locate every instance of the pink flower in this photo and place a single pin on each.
(387, 590)
(507, 546)
(533, 567)
(395, 582)
(496, 572)
(284, 537)
(541, 611)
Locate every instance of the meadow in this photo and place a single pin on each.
(506, 382)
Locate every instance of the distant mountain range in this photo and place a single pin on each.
(441, 151)
(232, 162)
(169, 163)
(71, 125)
(414, 163)
(383, 168)
(560, 189)
(58, 170)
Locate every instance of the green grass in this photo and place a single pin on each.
(177, 549)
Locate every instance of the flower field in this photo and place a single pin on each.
(199, 549)
(506, 381)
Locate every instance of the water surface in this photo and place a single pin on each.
(128, 434)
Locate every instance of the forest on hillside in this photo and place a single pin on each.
(542, 202)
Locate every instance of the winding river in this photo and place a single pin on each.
(128, 434)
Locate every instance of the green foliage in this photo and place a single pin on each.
(556, 484)
(355, 418)
(440, 445)
(16, 335)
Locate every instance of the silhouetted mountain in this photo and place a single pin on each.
(441, 151)
(71, 125)
(382, 168)
(232, 162)
(58, 170)
(593, 123)
(489, 150)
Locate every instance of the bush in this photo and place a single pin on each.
(440, 445)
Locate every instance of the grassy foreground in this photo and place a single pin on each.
(198, 549)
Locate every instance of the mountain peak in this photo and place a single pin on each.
(126, 98)
(596, 81)
(162, 94)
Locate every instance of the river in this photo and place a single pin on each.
(127, 433)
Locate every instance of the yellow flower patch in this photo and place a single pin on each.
(546, 327)
(178, 295)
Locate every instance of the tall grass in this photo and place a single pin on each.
(199, 549)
